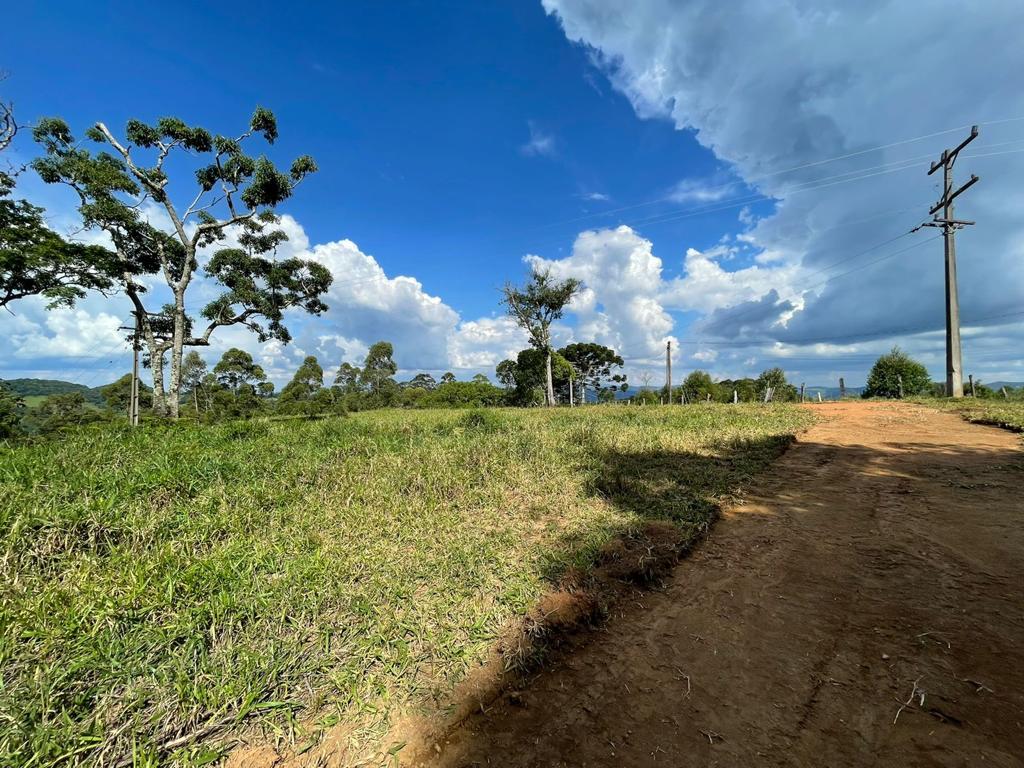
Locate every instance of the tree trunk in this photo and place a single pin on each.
(177, 348)
(195, 399)
(156, 362)
(550, 394)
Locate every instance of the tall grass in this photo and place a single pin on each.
(998, 412)
(165, 588)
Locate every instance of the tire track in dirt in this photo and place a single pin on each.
(884, 554)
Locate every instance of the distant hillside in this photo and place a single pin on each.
(40, 388)
(832, 393)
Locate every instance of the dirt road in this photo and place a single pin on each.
(863, 606)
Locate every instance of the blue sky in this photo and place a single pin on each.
(456, 139)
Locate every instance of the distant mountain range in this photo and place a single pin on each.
(39, 388)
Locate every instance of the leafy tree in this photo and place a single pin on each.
(35, 260)
(299, 393)
(535, 307)
(307, 379)
(594, 364)
(884, 379)
(237, 194)
(422, 381)
(506, 373)
(237, 370)
(305, 393)
(775, 378)
(193, 372)
(62, 411)
(12, 409)
(531, 373)
(118, 395)
(480, 378)
(347, 378)
(698, 385)
(745, 389)
(463, 394)
(379, 367)
(448, 377)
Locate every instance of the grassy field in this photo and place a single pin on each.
(997, 412)
(166, 588)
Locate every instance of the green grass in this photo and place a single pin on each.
(998, 412)
(174, 581)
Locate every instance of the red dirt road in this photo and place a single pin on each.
(863, 607)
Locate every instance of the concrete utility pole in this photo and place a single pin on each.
(133, 393)
(949, 226)
(134, 411)
(668, 370)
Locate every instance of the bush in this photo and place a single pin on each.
(697, 386)
(887, 372)
(483, 421)
(775, 379)
(462, 394)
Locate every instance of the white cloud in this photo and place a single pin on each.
(541, 143)
(620, 304)
(483, 343)
(700, 191)
(65, 333)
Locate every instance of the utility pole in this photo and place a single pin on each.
(949, 226)
(133, 416)
(668, 370)
(133, 393)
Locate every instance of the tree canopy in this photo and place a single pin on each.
(235, 193)
(884, 379)
(236, 369)
(598, 368)
(36, 261)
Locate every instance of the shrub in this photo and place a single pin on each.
(888, 370)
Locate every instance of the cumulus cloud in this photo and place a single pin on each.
(365, 305)
(775, 89)
(620, 304)
(482, 344)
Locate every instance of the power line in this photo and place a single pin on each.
(804, 289)
(916, 330)
(786, 170)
